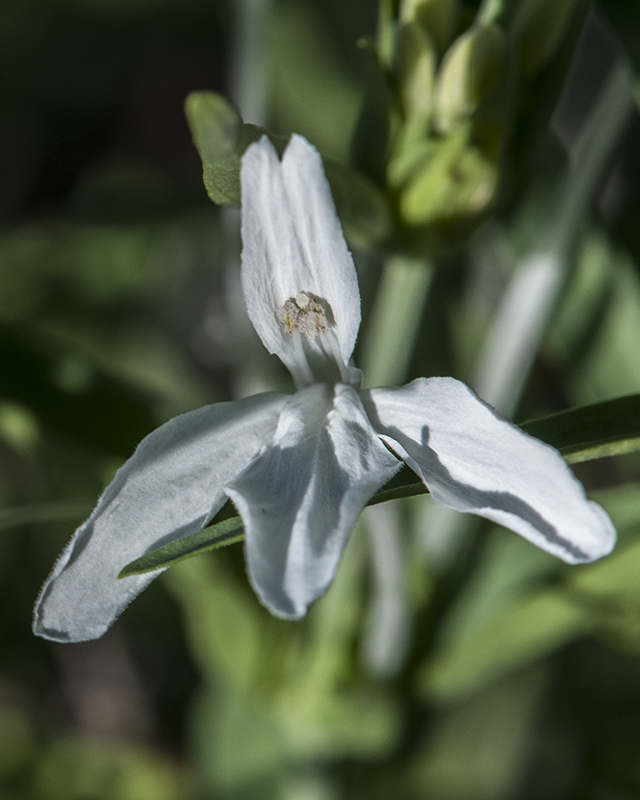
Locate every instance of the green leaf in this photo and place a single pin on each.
(223, 533)
(582, 434)
(221, 138)
(231, 530)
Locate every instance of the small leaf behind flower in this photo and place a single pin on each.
(221, 138)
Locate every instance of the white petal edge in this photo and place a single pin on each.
(293, 243)
(473, 461)
(172, 486)
(301, 498)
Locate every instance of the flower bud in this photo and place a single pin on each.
(415, 67)
(455, 181)
(470, 69)
(438, 18)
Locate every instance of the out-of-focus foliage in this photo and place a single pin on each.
(450, 659)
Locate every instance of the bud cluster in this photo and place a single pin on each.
(459, 83)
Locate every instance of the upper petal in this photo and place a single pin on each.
(301, 498)
(172, 486)
(472, 460)
(293, 244)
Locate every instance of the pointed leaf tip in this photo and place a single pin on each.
(223, 533)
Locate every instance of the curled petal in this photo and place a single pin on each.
(172, 486)
(474, 461)
(301, 498)
(293, 245)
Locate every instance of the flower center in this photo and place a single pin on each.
(304, 314)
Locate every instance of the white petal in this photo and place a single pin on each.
(172, 486)
(474, 461)
(292, 244)
(301, 498)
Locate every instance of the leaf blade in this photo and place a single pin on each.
(588, 432)
(580, 434)
(221, 534)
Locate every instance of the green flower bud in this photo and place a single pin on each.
(415, 67)
(438, 18)
(456, 181)
(470, 69)
(409, 155)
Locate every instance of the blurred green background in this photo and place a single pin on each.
(450, 660)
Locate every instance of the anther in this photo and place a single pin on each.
(302, 313)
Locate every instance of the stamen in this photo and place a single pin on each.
(302, 313)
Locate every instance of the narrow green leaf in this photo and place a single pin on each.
(223, 533)
(583, 434)
(231, 530)
(404, 484)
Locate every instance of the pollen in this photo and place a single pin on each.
(303, 313)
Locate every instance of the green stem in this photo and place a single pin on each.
(395, 320)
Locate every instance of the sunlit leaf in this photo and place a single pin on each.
(221, 138)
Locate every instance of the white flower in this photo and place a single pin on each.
(300, 468)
